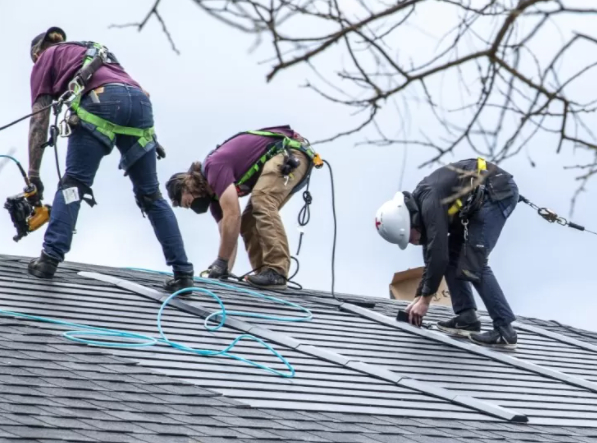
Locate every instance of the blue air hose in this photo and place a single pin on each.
(308, 314)
(146, 340)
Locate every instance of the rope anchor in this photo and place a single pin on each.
(553, 217)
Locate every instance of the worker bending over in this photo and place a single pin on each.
(111, 105)
(270, 164)
(457, 214)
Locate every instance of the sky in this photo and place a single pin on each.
(214, 89)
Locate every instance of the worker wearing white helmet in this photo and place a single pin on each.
(457, 214)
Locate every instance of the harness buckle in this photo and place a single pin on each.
(65, 128)
(76, 86)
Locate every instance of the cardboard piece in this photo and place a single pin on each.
(404, 287)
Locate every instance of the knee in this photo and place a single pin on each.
(146, 202)
(75, 190)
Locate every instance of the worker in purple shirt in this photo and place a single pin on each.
(256, 163)
(110, 96)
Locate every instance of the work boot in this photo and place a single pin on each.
(43, 267)
(268, 279)
(179, 281)
(464, 324)
(500, 337)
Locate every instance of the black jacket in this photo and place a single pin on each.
(431, 215)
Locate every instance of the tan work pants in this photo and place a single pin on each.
(261, 226)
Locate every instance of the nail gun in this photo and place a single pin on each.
(26, 209)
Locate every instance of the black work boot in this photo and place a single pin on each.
(464, 324)
(500, 337)
(43, 267)
(180, 281)
(268, 279)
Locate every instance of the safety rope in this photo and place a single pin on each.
(552, 217)
(142, 340)
(304, 217)
(2, 128)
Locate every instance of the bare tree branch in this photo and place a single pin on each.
(141, 25)
(497, 80)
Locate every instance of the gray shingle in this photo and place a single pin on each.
(158, 394)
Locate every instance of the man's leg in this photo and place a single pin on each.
(248, 231)
(269, 194)
(485, 228)
(461, 295)
(143, 175)
(83, 158)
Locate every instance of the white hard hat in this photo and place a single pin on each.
(393, 221)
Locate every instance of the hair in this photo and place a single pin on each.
(191, 181)
(51, 39)
(54, 37)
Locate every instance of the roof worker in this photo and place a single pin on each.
(457, 214)
(112, 109)
(270, 164)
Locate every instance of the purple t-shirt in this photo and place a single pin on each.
(57, 66)
(233, 159)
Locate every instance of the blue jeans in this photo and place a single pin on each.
(125, 106)
(484, 228)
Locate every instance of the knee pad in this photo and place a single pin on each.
(147, 201)
(75, 190)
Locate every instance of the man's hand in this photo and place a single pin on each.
(218, 269)
(417, 310)
(36, 181)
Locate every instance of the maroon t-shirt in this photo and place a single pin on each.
(234, 158)
(57, 66)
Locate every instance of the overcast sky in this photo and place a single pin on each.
(215, 89)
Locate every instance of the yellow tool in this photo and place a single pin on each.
(26, 209)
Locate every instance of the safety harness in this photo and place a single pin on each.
(475, 196)
(95, 57)
(287, 143)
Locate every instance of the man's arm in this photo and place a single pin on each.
(232, 258)
(435, 218)
(38, 133)
(230, 223)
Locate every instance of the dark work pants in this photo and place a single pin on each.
(484, 228)
(125, 106)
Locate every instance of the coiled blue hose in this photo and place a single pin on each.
(142, 340)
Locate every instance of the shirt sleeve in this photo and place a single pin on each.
(219, 177)
(41, 76)
(435, 221)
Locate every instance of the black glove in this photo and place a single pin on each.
(160, 151)
(218, 269)
(36, 181)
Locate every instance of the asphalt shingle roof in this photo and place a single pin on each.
(359, 377)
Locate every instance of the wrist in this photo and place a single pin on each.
(427, 299)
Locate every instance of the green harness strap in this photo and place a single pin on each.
(103, 126)
(274, 150)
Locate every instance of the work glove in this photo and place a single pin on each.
(218, 269)
(36, 181)
(160, 151)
